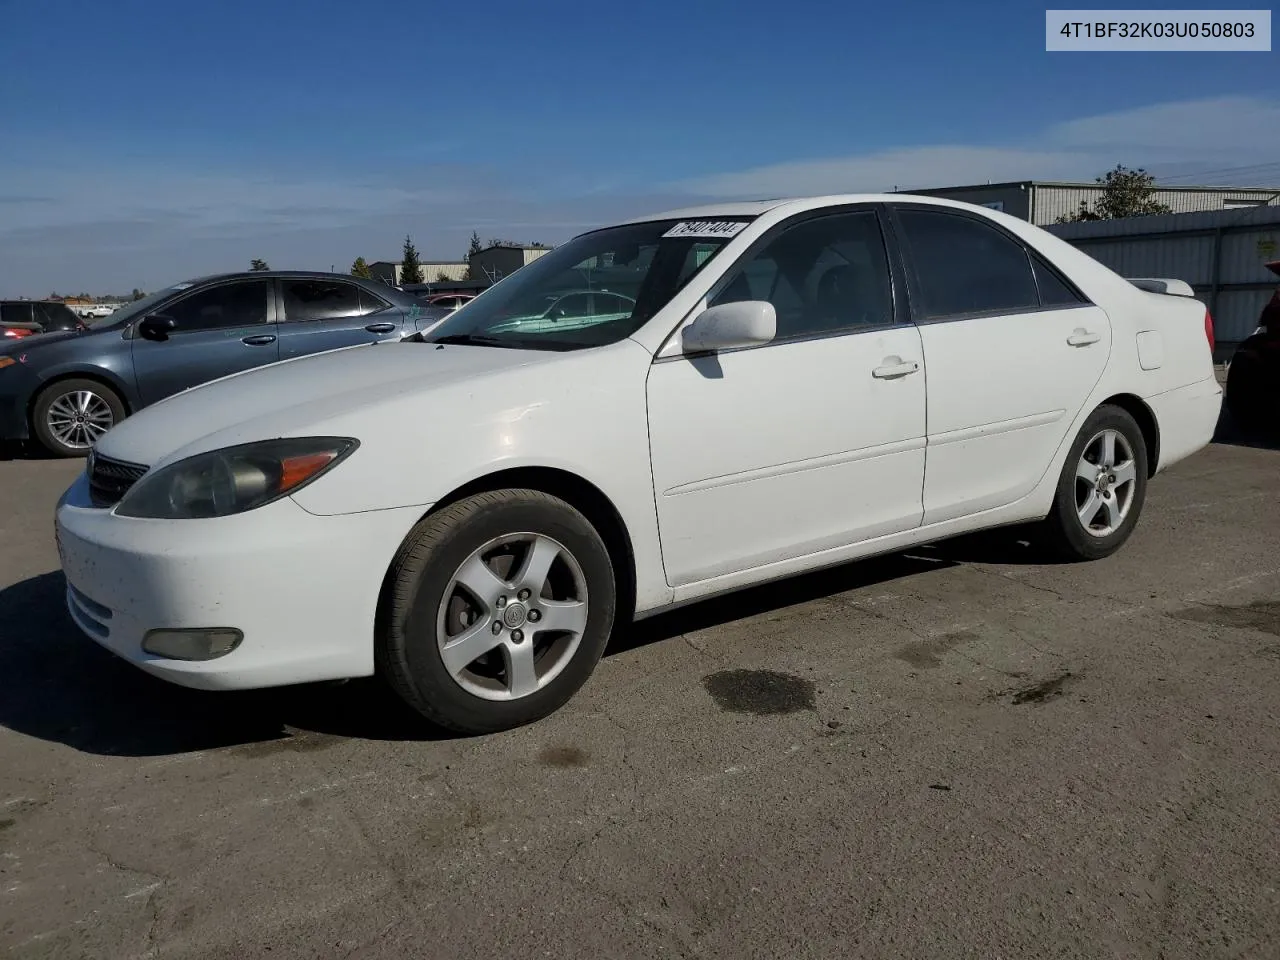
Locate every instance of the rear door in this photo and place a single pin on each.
(1012, 349)
(219, 330)
(318, 314)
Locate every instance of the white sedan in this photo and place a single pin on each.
(472, 513)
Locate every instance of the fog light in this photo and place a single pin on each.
(206, 644)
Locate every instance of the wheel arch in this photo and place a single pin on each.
(1147, 423)
(579, 493)
(94, 375)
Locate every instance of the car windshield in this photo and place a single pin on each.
(133, 309)
(594, 290)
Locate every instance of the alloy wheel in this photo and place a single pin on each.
(1106, 480)
(79, 418)
(512, 616)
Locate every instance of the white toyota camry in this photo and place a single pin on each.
(735, 394)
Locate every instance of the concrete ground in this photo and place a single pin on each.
(952, 753)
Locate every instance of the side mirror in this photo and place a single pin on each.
(157, 327)
(746, 323)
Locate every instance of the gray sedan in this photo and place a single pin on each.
(67, 389)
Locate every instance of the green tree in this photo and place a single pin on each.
(137, 294)
(257, 265)
(473, 273)
(410, 266)
(1125, 193)
(361, 269)
(442, 276)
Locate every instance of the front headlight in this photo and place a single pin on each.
(233, 479)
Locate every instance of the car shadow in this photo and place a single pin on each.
(23, 450)
(59, 686)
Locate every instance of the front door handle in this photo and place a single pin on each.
(259, 340)
(380, 327)
(895, 367)
(1080, 337)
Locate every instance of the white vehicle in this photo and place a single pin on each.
(800, 383)
(98, 310)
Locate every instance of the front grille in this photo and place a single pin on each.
(109, 480)
(92, 617)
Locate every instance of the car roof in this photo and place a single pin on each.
(268, 274)
(755, 208)
(376, 286)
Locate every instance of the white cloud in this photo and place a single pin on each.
(1211, 133)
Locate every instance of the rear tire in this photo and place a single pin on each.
(70, 415)
(498, 609)
(1095, 509)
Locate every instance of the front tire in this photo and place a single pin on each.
(499, 607)
(1101, 489)
(69, 416)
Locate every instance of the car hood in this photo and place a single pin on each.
(12, 346)
(319, 394)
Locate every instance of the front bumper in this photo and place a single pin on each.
(302, 588)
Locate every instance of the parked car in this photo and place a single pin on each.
(67, 389)
(26, 318)
(472, 512)
(450, 301)
(1253, 376)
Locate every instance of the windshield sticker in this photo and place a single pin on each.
(706, 228)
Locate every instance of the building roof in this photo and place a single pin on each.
(424, 262)
(503, 245)
(1091, 185)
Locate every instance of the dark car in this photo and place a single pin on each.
(66, 389)
(1253, 377)
(26, 318)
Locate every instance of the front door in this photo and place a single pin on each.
(218, 330)
(809, 443)
(321, 314)
(1013, 350)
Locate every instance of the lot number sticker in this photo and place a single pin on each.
(706, 228)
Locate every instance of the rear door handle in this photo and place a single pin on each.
(380, 327)
(259, 340)
(895, 367)
(1080, 337)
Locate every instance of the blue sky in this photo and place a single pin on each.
(148, 141)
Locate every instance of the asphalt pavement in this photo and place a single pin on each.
(956, 752)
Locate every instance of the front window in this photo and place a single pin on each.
(596, 289)
(134, 309)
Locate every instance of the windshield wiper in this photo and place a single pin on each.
(468, 340)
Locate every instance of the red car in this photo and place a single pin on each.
(1253, 377)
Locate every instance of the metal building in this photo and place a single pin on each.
(389, 271)
(1222, 254)
(500, 259)
(1042, 202)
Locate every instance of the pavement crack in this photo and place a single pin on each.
(689, 640)
(577, 849)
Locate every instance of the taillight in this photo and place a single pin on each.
(15, 334)
(1208, 330)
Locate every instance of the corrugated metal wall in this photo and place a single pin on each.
(1053, 200)
(1222, 254)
